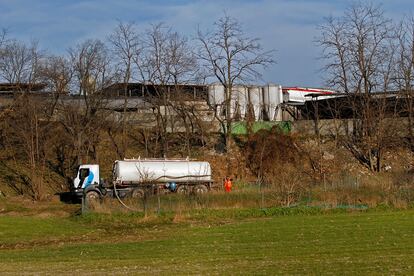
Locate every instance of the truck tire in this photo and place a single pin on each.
(183, 189)
(93, 196)
(93, 199)
(137, 193)
(200, 189)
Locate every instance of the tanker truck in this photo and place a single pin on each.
(137, 177)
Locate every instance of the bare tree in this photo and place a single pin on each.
(232, 58)
(91, 67)
(190, 112)
(57, 73)
(84, 117)
(3, 38)
(28, 136)
(19, 62)
(182, 61)
(166, 62)
(166, 58)
(26, 125)
(125, 46)
(3, 41)
(358, 50)
(404, 75)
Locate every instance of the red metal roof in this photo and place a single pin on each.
(307, 90)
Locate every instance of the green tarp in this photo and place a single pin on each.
(240, 128)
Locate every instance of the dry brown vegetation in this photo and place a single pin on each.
(268, 169)
(43, 138)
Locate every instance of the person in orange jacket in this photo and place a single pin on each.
(227, 185)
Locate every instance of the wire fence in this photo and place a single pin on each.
(347, 192)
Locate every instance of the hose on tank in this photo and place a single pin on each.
(178, 177)
(120, 201)
(167, 176)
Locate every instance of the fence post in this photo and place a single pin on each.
(84, 207)
(159, 200)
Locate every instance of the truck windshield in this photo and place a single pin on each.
(83, 173)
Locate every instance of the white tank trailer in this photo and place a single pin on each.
(160, 171)
(136, 177)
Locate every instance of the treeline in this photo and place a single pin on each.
(40, 134)
(370, 59)
(364, 52)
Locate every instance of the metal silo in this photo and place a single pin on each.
(216, 97)
(216, 94)
(256, 101)
(243, 100)
(265, 101)
(238, 102)
(272, 99)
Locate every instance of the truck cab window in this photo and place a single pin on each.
(83, 173)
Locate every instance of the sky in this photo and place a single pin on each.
(289, 27)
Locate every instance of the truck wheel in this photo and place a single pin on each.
(182, 189)
(137, 193)
(92, 196)
(200, 189)
(92, 199)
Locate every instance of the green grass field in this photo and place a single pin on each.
(380, 242)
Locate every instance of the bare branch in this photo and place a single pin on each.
(232, 58)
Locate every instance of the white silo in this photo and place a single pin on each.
(238, 102)
(243, 100)
(272, 99)
(234, 102)
(216, 97)
(265, 99)
(216, 94)
(255, 101)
